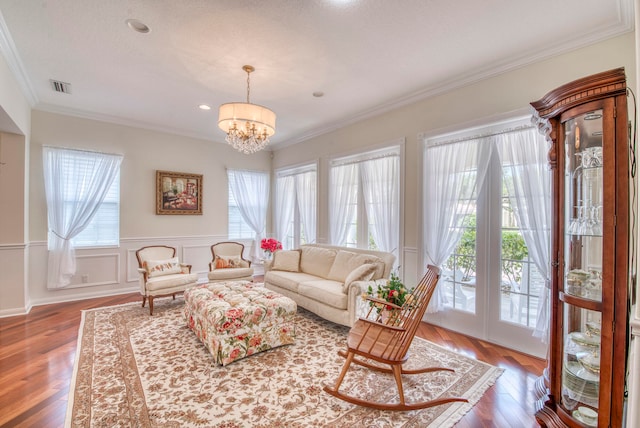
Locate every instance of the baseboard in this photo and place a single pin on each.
(84, 296)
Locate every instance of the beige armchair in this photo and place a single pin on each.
(161, 274)
(227, 263)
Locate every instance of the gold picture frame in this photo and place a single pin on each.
(178, 193)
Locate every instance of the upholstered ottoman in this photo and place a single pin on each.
(238, 319)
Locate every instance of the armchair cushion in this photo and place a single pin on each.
(243, 273)
(169, 281)
(163, 267)
(286, 260)
(227, 262)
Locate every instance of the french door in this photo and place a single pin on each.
(491, 286)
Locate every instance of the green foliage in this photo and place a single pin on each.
(393, 291)
(466, 249)
(514, 250)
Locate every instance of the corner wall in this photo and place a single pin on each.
(113, 270)
(15, 129)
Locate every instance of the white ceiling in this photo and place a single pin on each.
(367, 56)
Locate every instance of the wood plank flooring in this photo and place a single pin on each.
(37, 353)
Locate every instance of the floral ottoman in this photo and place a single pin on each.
(238, 319)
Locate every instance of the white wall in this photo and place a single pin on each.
(15, 126)
(467, 106)
(113, 270)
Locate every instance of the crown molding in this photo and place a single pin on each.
(624, 25)
(10, 54)
(118, 120)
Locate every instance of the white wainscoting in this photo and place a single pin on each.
(411, 270)
(13, 296)
(110, 270)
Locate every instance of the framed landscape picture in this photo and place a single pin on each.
(178, 193)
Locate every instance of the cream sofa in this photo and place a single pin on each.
(327, 280)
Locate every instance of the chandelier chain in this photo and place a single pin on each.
(248, 86)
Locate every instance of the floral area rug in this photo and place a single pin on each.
(136, 370)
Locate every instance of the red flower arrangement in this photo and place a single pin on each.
(270, 245)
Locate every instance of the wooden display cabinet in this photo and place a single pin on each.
(586, 124)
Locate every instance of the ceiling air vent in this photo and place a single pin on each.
(59, 86)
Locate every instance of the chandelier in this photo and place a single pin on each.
(248, 126)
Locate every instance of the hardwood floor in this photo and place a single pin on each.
(37, 353)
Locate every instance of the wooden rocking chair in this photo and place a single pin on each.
(388, 342)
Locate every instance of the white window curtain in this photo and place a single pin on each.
(524, 153)
(381, 188)
(343, 197)
(306, 193)
(251, 192)
(454, 173)
(285, 199)
(76, 183)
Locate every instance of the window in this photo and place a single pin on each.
(104, 228)
(365, 200)
(76, 179)
(248, 201)
(295, 206)
(238, 228)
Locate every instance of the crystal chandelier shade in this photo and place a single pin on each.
(248, 126)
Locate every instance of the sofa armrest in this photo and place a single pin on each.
(359, 287)
(267, 265)
(185, 268)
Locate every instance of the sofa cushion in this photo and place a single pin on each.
(168, 281)
(362, 259)
(361, 273)
(316, 261)
(286, 260)
(163, 267)
(341, 267)
(326, 291)
(287, 280)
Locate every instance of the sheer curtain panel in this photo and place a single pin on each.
(76, 183)
(454, 173)
(381, 188)
(306, 193)
(251, 192)
(524, 154)
(285, 199)
(343, 198)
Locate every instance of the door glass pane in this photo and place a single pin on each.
(520, 279)
(459, 274)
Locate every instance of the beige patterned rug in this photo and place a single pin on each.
(134, 370)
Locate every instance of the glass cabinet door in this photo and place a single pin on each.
(582, 286)
(584, 206)
(581, 364)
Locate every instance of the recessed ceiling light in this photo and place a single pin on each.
(204, 107)
(318, 94)
(138, 26)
